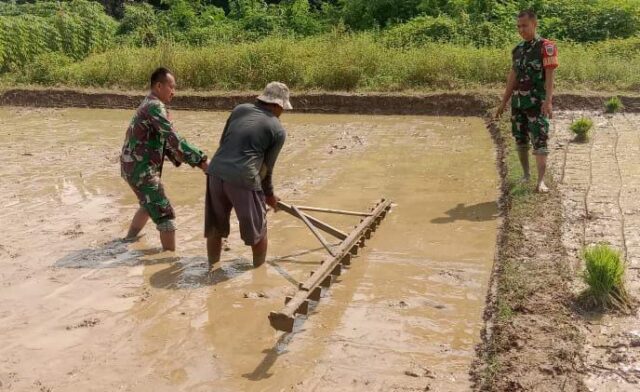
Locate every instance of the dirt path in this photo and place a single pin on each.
(82, 310)
(599, 182)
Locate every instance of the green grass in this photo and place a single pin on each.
(581, 128)
(613, 105)
(604, 275)
(332, 62)
(519, 190)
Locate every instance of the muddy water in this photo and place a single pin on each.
(84, 311)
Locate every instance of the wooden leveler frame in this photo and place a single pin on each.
(331, 266)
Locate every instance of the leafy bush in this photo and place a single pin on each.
(140, 25)
(46, 69)
(491, 34)
(604, 275)
(298, 17)
(414, 44)
(586, 20)
(581, 128)
(421, 30)
(368, 14)
(342, 61)
(75, 28)
(216, 32)
(254, 17)
(613, 105)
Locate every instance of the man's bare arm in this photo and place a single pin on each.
(547, 106)
(511, 85)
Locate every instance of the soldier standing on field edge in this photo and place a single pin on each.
(530, 88)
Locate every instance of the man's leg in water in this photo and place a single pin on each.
(168, 240)
(214, 248)
(156, 205)
(138, 222)
(140, 219)
(217, 212)
(251, 210)
(167, 229)
(260, 252)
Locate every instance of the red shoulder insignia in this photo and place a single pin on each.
(549, 49)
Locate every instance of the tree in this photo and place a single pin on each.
(365, 14)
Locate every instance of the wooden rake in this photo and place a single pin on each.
(331, 266)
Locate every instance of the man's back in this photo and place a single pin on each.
(253, 136)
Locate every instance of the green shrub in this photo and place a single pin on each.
(491, 34)
(588, 20)
(140, 25)
(367, 14)
(297, 17)
(604, 275)
(344, 63)
(215, 33)
(46, 69)
(581, 128)
(75, 28)
(220, 57)
(421, 30)
(613, 105)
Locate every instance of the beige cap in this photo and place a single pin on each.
(277, 93)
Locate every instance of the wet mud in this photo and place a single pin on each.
(599, 182)
(84, 310)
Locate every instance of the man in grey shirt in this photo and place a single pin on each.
(241, 170)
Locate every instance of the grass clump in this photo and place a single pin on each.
(581, 128)
(604, 276)
(613, 105)
(336, 61)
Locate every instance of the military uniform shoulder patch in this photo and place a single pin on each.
(550, 49)
(549, 54)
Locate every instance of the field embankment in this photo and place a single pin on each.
(539, 335)
(531, 339)
(465, 103)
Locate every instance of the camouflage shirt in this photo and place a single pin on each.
(149, 139)
(530, 59)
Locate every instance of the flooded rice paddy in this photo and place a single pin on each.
(82, 310)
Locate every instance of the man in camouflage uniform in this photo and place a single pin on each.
(149, 139)
(530, 88)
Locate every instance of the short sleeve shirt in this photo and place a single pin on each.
(150, 138)
(249, 147)
(530, 59)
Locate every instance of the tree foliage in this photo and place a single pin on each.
(76, 28)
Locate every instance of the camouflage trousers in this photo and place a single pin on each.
(529, 125)
(152, 198)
